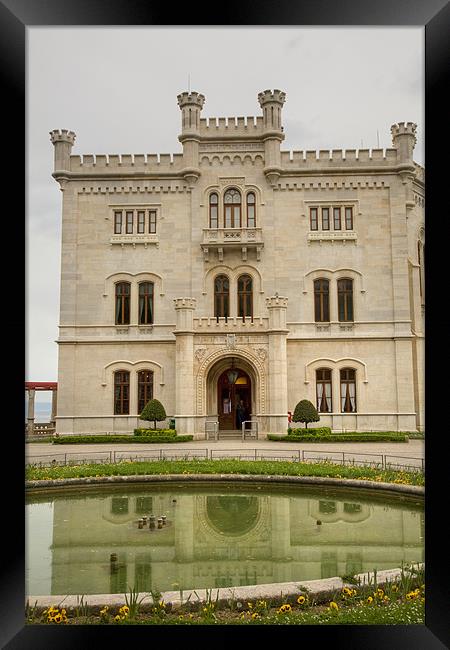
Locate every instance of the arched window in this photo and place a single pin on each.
(146, 291)
(348, 390)
(123, 290)
(345, 299)
(213, 210)
(122, 392)
(245, 296)
(232, 208)
(145, 388)
(221, 296)
(321, 300)
(251, 210)
(323, 390)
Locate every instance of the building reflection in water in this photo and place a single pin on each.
(221, 539)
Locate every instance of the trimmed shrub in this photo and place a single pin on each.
(305, 411)
(154, 412)
(155, 432)
(319, 431)
(75, 440)
(341, 437)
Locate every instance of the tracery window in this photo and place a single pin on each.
(232, 209)
(213, 210)
(251, 210)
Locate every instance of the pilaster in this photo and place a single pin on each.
(184, 364)
(278, 390)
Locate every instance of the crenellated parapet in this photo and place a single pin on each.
(247, 128)
(63, 141)
(335, 159)
(119, 165)
(184, 308)
(404, 140)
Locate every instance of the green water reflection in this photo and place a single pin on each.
(213, 537)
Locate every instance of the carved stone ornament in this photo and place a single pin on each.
(262, 353)
(200, 353)
(231, 341)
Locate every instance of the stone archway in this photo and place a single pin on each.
(214, 365)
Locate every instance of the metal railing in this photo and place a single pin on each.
(211, 430)
(376, 461)
(251, 431)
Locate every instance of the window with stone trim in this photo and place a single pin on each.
(345, 300)
(251, 210)
(122, 293)
(323, 390)
(121, 392)
(145, 388)
(221, 296)
(245, 296)
(321, 300)
(214, 210)
(146, 293)
(348, 390)
(232, 208)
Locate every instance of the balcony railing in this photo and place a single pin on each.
(230, 324)
(221, 239)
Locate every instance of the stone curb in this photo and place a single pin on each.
(396, 488)
(277, 593)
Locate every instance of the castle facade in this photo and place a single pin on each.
(235, 279)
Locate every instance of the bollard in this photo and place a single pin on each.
(140, 523)
(163, 517)
(151, 524)
(160, 523)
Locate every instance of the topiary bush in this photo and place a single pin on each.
(154, 412)
(319, 431)
(155, 432)
(305, 412)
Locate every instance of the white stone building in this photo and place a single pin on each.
(303, 271)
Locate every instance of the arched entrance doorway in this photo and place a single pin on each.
(234, 398)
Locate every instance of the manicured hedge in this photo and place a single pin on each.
(320, 431)
(156, 432)
(74, 440)
(342, 437)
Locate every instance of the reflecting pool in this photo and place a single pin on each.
(91, 541)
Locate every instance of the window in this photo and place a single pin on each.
(152, 221)
(121, 392)
(213, 210)
(345, 299)
(123, 303)
(349, 218)
(129, 222)
(145, 388)
(323, 390)
(251, 210)
(118, 223)
(321, 300)
(221, 296)
(313, 218)
(325, 218)
(348, 390)
(421, 262)
(141, 222)
(232, 205)
(145, 303)
(337, 218)
(245, 296)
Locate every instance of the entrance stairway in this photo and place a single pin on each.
(232, 434)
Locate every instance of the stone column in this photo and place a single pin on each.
(184, 366)
(30, 417)
(277, 366)
(54, 403)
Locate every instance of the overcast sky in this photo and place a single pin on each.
(117, 89)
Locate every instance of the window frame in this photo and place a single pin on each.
(251, 205)
(314, 220)
(348, 208)
(147, 298)
(345, 300)
(245, 297)
(120, 400)
(118, 222)
(347, 382)
(122, 300)
(321, 300)
(221, 298)
(129, 223)
(337, 211)
(152, 220)
(327, 220)
(324, 397)
(148, 388)
(213, 205)
(234, 207)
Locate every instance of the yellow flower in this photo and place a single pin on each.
(370, 600)
(284, 609)
(301, 600)
(255, 615)
(249, 605)
(334, 605)
(117, 618)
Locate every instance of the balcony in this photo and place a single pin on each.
(227, 239)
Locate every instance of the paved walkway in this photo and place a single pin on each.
(395, 452)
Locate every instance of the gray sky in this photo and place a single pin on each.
(117, 89)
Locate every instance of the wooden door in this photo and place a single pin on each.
(228, 397)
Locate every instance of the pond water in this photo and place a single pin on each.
(212, 536)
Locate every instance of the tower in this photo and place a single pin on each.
(63, 142)
(404, 140)
(271, 103)
(190, 105)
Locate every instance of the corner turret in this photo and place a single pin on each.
(271, 103)
(190, 105)
(63, 142)
(404, 140)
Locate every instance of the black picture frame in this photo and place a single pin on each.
(434, 15)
